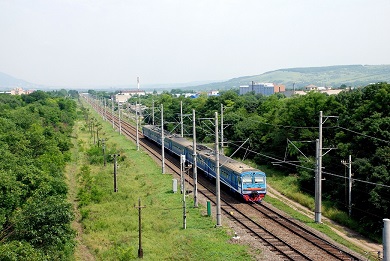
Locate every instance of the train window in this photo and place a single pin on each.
(259, 179)
(247, 179)
(224, 174)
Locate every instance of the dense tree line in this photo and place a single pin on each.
(361, 129)
(34, 143)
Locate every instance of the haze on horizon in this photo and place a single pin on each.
(112, 42)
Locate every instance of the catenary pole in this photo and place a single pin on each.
(218, 188)
(318, 192)
(119, 118)
(181, 119)
(137, 120)
(195, 166)
(105, 108)
(182, 159)
(317, 210)
(348, 164)
(319, 165)
(112, 111)
(153, 112)
(386, 239)
(183, 181)
(349, 185)
(162, 141)
(222, 152)
(138, 115)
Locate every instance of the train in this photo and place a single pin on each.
(249, 183)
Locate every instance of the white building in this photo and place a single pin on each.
(123, 96)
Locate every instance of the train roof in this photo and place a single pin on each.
(205, 151)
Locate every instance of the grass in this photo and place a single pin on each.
(288, 186)
(110, 220)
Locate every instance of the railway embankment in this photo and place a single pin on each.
(352, 236)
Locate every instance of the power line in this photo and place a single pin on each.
(316, 127)
(312, 169)
(362, 134)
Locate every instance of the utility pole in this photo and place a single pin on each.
(104, 152)
(222, 152)
(195, 167)
(140, 250)
(112, 111)
(105, 113)
(119, 117)
(183, 189)
(136, 119)
(318, 191)
(318, 180)
(162, 141)
(138, 85)
(115, 171)
(218, 189)
(153, 112)
(182, 160)
(181, 119)
(138, 114)
(349, 166)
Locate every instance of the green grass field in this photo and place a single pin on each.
(109, 220)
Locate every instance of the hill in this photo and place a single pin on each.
(8, 82)
(334, 76)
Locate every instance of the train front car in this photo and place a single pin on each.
(253, 185)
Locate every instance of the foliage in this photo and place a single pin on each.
(350, 75)
(282, 129)
(34, 140)
(110, 225)
(89, 191)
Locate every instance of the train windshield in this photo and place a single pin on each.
(259, 179)
(246, 179)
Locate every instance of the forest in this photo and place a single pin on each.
(283, 130)
(35, 216)
(35, 133)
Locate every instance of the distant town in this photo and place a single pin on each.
(265, 89)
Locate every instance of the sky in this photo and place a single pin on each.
(112, 42)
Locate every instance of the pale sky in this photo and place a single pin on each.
(111, 42)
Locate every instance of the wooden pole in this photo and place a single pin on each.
(140, 250)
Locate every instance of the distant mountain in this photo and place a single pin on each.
(8, 82)
(333, 76)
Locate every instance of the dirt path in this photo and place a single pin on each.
(82, 252)
(353, 237)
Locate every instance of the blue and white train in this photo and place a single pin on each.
(246, 181)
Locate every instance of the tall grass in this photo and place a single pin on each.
(110, 219)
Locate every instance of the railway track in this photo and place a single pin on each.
(288, 238)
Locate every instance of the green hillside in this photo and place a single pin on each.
(334, 76)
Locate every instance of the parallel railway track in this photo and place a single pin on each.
(289, 239)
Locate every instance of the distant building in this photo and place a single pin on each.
(279, 88)
(262, 88)
(323, 89)
(18, 91)
(313, 88)
(123, 96)
(213, 93)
